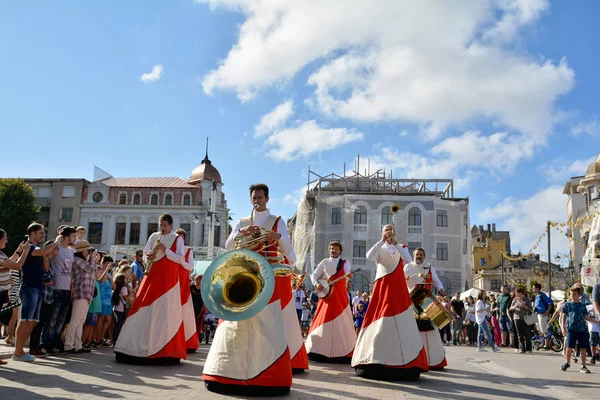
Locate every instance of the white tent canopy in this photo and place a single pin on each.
(471, 292)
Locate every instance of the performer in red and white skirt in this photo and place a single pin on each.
(251, 357)
(293, 333)
(189, 319)
(389, 346)
(153, 332)
(417, 273)
(332, 337)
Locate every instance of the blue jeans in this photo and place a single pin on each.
(484, 328)
(58, 316)
(505, 323)
(32, 302)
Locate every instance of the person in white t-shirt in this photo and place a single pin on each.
(355, 301)
(298, 296)
(481, 311)
(594, 333)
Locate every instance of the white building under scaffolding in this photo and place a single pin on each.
(354, 208)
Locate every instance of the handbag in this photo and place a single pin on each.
(531, 319)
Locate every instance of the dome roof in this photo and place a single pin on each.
(205, 171)
(594, 167)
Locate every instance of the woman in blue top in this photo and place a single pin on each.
(106, 284)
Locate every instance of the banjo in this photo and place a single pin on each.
(327, 290)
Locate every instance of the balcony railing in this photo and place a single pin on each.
(200, 253)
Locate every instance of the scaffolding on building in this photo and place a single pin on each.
(378, 182)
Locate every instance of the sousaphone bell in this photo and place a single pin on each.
(237, 285)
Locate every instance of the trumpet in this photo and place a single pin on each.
(152, 255)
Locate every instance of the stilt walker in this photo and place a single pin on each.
(251, 356)
(332, 336)
(389, 346)
(154, 332)
(417, 273)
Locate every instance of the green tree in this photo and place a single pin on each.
(17, 210)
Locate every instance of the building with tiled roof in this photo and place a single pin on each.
(123, 212)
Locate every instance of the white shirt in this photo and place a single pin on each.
(260, 217)
(387, 257)
(177, 256)
(298, 296)
(480, 311)
(327, 268)
(411, 269)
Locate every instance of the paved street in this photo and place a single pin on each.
(470, 375)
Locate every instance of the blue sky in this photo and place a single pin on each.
(500, 95)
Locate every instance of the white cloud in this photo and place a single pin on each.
(153, 76)
(435, 64)
(307, 138)
(562, 170)
(461, 158)
(526, 219)
(274, 120)
(591, 128)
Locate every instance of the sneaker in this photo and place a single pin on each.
(54, 352)
(41, 352)
(86, 349)
(565, 366)
(94, 345)
(496, 349)
(25, 357)
(74, 351)
(584, 370)
(482, 350)
(575, 359)
(593, 360)
(521, 352)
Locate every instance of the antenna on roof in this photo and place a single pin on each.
(206, 147)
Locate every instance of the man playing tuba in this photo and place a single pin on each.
(253, 356)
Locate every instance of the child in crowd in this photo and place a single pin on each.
(594, 334)
(360, 316)
(105, 316)
(120, 299)
(573, 321)
(305, 318)
(92, 316)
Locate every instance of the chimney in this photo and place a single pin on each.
(480, 228)
(489, 230)
(494, 228)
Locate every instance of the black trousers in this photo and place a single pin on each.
(524, 334)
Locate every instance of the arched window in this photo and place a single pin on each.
(168, 200)
(187, 200)
(387, 216)
(122, 198)
(414, 217)
(154, 199)
(414, 220)
(137, 198)
(360, 215)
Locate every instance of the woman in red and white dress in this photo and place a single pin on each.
(332, 337)
(389, 346)
(154, 332)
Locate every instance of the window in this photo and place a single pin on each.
(591, 194)
(154, 199)
(152, 227)
(68, 191)
(360, 282)
(134, 232)
(360, 215)
(360, 249)
(442, 217)
(66, 214)
(188, 233)
(94, 232)
(412, 246)
(359, 252)
(414, 220)
(187, 200)
(442, 252)
(496, 284)
(97, 197)
(217, 238)
(168, 200)
(122, 198)
(386, 216)
(482, 262)
(120, 233)
(137, 198)
(336, 215)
